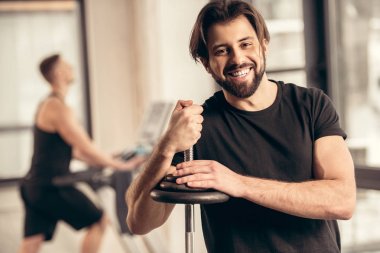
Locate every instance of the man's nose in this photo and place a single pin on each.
(236, 57)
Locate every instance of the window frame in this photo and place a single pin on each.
(322, 70)
(19, 128)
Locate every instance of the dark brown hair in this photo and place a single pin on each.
(47, 65)
(222, 11)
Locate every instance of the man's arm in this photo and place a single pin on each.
(183, 131)
(332, 195)
(144, 214)
(64, 122)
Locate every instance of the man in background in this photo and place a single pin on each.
(58, 137)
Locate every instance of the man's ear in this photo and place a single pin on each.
(55, 73)
(205, 64)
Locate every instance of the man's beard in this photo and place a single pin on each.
(243, 90)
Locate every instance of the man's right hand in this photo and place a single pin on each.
(184, 130)
(185, 126)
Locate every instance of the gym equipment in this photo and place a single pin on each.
(119, 181)
(153, 123)
(97, 178)
(168, 191)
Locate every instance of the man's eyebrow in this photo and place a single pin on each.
(218, 45)
(224, 45)
(247, 38)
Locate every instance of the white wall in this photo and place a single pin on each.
(113, 91)
(139, 53)
(181, 76)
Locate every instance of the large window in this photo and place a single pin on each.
(355, 58)
(286, 56)
(361, 234)
(30, 31)
(358, 76)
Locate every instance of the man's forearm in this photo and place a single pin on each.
(145, 214)
(318, 199)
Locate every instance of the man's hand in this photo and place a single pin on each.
(209, 174)
(185, 126)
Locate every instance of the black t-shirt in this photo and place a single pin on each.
(274, 143)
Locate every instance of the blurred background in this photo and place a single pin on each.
(128, 54)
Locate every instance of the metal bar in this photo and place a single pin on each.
(85, 65)
(15, 128)
(284, 70)
(315, 45)
(18, 6)
(188, 154)
(190, 227)
(189, 212)
(367, 177)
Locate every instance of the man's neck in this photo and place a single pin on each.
(59, 90)
(264, 97)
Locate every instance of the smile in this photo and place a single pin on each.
(239, 73)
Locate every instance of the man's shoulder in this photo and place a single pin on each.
(54, 104)
(291, 90)
(215, 101)
(56, 111)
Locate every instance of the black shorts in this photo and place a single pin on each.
(46, 205)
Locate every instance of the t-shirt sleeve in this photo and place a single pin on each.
(326, 119)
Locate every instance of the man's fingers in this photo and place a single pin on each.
(194, 178)
(193, 163)
(189, 106)
(198, 127)
(198, 119)
(182, 104)
(200, 184)
(194, 109)
(192, 170)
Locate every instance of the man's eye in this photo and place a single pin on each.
(244, 45)
(220, 52)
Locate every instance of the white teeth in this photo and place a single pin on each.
(240, 73)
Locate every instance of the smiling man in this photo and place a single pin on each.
(235, 39)
(277, 149)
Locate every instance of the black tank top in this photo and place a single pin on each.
(51, 156)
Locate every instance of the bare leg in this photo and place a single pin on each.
(31, 244)
(92, 239)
